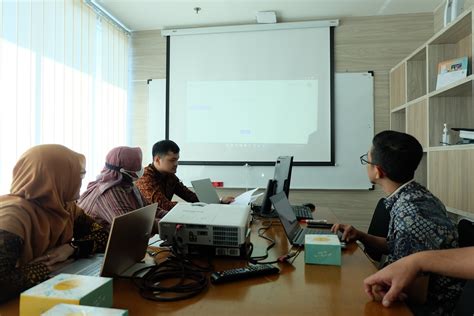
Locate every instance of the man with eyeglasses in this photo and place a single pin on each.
(418, 219)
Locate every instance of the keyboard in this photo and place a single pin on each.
(302, 212)
(92, 270)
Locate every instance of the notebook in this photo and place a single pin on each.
(128, 240)
(293, 230)
(205, 191)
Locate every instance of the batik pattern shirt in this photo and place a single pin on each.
(157, 187)
(89, 237)
(419, 221)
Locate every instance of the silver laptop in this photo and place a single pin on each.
(128, 240)
(293, 230)
(205, 191)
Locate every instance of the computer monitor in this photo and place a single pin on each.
(282, 174)
(280, 182)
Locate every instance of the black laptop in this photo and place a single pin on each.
(293, 230)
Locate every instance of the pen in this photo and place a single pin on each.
(315, 221)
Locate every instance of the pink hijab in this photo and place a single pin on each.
(128, 158)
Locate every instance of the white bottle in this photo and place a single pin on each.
(445, 136)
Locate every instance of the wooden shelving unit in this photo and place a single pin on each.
(418, 108)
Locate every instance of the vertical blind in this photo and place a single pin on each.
(63, 80)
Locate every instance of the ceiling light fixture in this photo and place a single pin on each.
(197, 9)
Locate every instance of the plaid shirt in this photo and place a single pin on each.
(418, 221)
(157, 187)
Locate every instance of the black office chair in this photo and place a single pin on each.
(465, 304)
(378, 227)
(466, 233)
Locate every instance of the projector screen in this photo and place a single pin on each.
(251, 96)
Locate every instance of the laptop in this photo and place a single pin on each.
(293, 230)
(128, 240)
(205, 191)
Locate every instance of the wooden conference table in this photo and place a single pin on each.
(299, 289)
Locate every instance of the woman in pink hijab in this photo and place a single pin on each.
(113, 193)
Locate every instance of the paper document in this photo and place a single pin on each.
(246, 197)
(155, 241)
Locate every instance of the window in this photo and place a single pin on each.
(63, 79)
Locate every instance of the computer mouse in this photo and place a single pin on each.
(311, 206)
(339, 235)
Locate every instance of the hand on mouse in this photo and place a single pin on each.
(349, 232)
(227, 199)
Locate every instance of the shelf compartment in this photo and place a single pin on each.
(416, 75)
(451, 177)
(453, 42)
(452, 106)
(461, 87)
(398, 121)
(417, 121)
(398, 86)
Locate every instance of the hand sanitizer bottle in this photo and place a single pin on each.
(445, 136)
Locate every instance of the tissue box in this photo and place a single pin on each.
(67, 288)
(322, 249)
(68, 309)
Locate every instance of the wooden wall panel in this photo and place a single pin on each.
(148, 61)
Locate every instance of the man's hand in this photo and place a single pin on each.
(349, 233)
(227, 199)
(389, 284)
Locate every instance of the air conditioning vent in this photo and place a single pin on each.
(225, 236)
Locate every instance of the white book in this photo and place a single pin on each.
(466, 134)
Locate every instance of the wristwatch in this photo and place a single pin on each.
(76, 250)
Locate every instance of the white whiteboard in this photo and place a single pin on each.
(354, 129)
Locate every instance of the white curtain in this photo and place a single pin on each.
(63, 79)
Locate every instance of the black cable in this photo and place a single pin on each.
(261, 231)
(176, 278)
(173, 279)
(284, 258)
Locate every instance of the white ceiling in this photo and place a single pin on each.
(139, 15)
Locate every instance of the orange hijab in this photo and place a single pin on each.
(40, 207)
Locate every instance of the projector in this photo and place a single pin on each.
(209, 229)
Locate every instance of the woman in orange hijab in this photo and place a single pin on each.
(40, 224)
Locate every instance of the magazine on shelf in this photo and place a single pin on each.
(450, 71)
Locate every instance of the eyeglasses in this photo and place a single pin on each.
(364, 159)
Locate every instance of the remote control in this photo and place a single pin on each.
(319, 225)
(243, 273)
